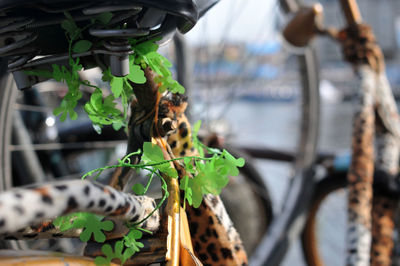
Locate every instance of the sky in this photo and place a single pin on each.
(236, 20)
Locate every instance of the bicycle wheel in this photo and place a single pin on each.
(327, 217)
(251, 217)
(35, 148)
(249, 182)
(44, 148)
(279, 87)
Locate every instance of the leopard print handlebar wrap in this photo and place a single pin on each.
(360, 174)
(23, 207)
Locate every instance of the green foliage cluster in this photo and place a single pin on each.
(90, 223)
(103, 110)
(123, 249)
(208, 174)
(93, 225)
(147, 55)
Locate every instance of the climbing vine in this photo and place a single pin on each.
(208, 174)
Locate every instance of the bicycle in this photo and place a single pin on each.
(184, 19)
(304, 26)
(370, 228)
(300, 190)
(300, 155)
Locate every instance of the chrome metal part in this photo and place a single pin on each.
(63, 59)
(20, 60)
(15, 41)
(21, 37)
(50, 9)
(22, 80)
(107, 33)
(112, 8)
(16, 25)
(119, 65)
(117, 47)
(152, 18)
(17, 44)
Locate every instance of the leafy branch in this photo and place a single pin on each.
(130, 242)
(207, 174)
(91, 223)
(104, 111)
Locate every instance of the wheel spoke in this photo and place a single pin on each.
(68, 146)
(32, 108)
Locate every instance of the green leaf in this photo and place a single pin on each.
(209, 176)
(57, 111)
(138, 189)
(63, 117)
(184, 185)
(104, 18)
(96, 100)
(58, 74)
(153, 154)
(131, 240)
(107, 75)
(117, 125)
(101, 261)
(116, 254)
(232, 163)
(39, 73)
(146, 52)
(91, 224)
(197, 194)
(196, 142)
(136, 75)
(117, 86)
(81, 46)
(65, 222)
(70, 27)
(72, 114)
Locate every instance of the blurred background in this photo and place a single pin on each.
(244, 83)
(246, 86)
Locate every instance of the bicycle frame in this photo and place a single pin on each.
(376, 110)
(374, 97)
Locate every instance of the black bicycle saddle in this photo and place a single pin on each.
(189, 10)
(30, 28)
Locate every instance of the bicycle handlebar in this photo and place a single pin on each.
(351, 11)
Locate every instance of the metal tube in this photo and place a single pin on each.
(351, 11)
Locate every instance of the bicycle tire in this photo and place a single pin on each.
(275, 243)
(309, 237)
(258, 202)
(6, 82)
(252, 181)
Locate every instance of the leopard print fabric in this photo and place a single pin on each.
(360, 176)
(214, 238)
(382, 230)
(24, 207)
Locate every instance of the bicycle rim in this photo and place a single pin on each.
(7, 91)
(326, 218)
(300, 172)
(19, 158)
